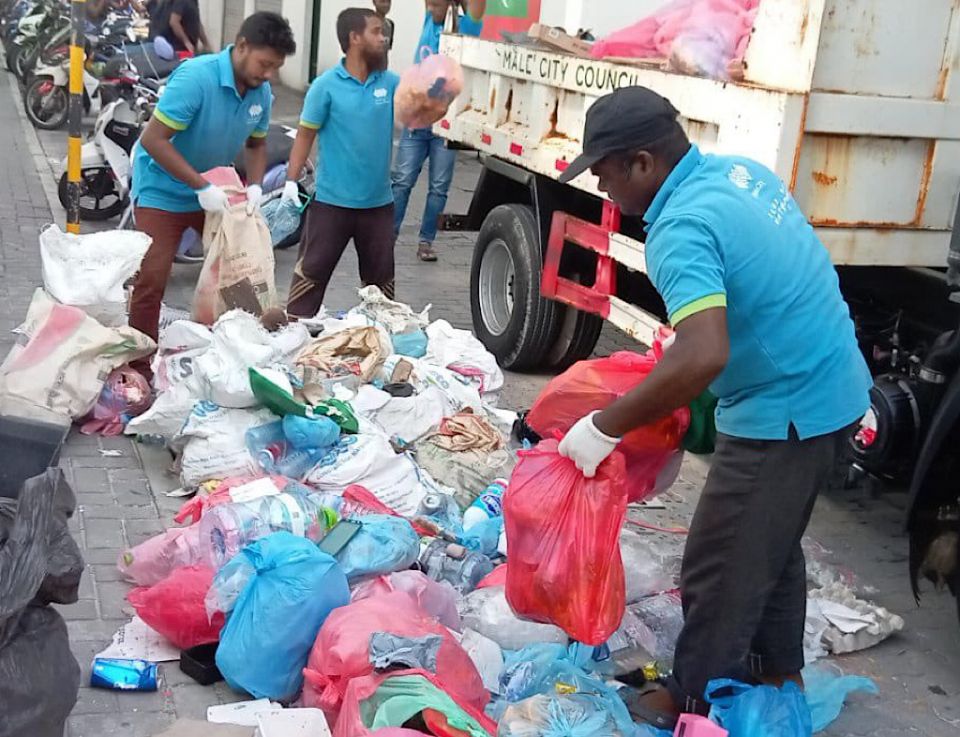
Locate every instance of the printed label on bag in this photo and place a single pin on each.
(254, 490)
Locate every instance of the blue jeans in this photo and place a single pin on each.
(415, 147)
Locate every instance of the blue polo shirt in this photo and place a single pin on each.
(355, 124)
(430, 36)
(212, 121)
(725, 231)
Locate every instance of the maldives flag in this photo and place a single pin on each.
(512, 16)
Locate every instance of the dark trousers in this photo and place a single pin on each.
(326, 233)
(166, 229)
(743, 580)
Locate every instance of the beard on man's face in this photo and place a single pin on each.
(376, 59)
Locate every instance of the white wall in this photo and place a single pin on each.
(407, 16)
(296, 70)
(211, 13)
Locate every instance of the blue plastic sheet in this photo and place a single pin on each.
(383, 545)
(413, 345)
(759, 711)
(826, 692)
(292, 588)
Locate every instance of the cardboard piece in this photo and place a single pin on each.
(557, 39)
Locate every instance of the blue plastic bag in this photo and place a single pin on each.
(282, 218)
(827, 690)
(539, 669)
(413, 345)
(383, 545)
(759, 711)
(292, 588)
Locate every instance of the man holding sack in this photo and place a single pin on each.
(212, 106)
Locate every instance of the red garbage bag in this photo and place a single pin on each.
(563, 535)
(174, 607)
(595, 384)
(341, 652)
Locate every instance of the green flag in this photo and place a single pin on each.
(507, 8)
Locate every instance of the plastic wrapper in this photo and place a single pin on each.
(153, 560)
(759, 711)
(438, 599)
(827, 689)
(461, 352)
(563, 532)
(291, 589)
(487, 612)
(125, 395)
(594, 385)
(467, 472)
(384, 544)
(651, 563)
(655, 623)
(395, 317)
(426, 91)
(341, 652)
(378, 704)
(175, 607)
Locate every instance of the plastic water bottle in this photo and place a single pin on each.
(267, 445)
(442, 509)
(486, 506)
(227, 528)
(461, 568)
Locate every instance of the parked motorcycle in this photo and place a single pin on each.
(105, 159)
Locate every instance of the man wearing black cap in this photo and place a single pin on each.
(759, 319)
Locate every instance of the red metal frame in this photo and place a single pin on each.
(565, 229)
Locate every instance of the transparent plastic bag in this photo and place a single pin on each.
(656, 622)
(563, 532)
(426, 90)
(438, 599)
(283, 218)
(126, 394)
(487, 612)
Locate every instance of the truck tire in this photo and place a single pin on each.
(578, 336)
(510, 318)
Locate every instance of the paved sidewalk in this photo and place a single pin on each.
(120, 485)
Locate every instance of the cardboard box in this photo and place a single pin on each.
(557, 39)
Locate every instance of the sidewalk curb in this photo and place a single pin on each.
(40, 162)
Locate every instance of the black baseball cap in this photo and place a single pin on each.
(629, 118)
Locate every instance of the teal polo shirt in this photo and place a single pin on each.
(354, 121)
(213, 122)
(430, 35)
(725, 231)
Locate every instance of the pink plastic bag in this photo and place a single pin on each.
(125, 395)
(152, 561)
(174, 607)
(426, 91)
(194, 508)
(700, 37)
(350, 722)
(439, 600)
(563, 536)
(341, 652)
(595, 384)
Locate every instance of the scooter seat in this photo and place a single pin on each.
(279, 145)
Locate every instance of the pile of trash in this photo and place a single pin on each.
(370, 544)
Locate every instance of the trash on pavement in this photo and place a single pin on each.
(153, 560)
(123, 675)
(826, 690)
(395, 317)
(759, 711)
(62, 358)
(136, 640)
(89, 271)
(125, 395)
(196, 728)
(291, 587)
(438, 599)
(213, 439)
(384, 545)
(852, 624)
(241, 713)
(564, 535)
(583, 715)
(175, 607)
(487, 612)
(292, 723)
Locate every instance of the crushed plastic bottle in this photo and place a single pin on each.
(461, 568)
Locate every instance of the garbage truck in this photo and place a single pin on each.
(854, 104)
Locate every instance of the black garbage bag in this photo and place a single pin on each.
(39, 677)
(39, 563)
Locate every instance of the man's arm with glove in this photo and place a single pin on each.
(695, 359)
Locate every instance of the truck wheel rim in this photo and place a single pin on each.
(497, 276)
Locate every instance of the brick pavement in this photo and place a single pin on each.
(122, 502)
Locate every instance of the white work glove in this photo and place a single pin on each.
(213, 199)
(291, 193)
(586, 446)
(254, 196)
